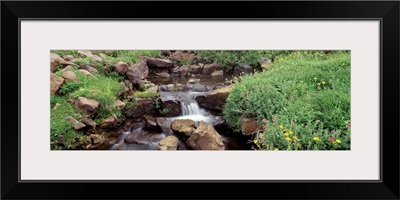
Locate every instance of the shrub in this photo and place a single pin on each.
(301, 88)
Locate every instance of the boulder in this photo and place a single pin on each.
(87, 73)
(137, 72)
(121, 67)
(193, 81)
(248, 126)
(184, 70)
(182, 56)
(86, 105)
(195, 69)
(98, 139)
(205, 137)
(89, 122)
(109, 121)
(183, 126)
(55, 60)
(69, 58)
(71, 76)
(210, 68)
(158, 63)
(88, 68)
(163, 75)
(55, 83)
(166, 52)
(77, 124)
(153, 89)
(168, 143)
(151, 122)
(217, 73)
(215, 99)
(138, 136)
(67, 68)
(89, 54)
(164, 124)
(119, 104)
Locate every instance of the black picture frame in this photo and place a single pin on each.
(386, 11)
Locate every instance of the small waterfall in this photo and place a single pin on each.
(120, 139)
(191, 109)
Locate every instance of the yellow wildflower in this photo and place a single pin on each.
(255, 141)
(288, 139)
(290, 132)
(281, 126)
(323, 82)
(316, 139)
(318, 84)
(286, 134)
(294, 137)
(315, 78)
(338, 141)
(276, 149)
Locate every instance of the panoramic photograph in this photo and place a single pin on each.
(258, 100)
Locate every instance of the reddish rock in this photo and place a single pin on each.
(109, 122)
(55, 83)
(77, 124)
(183, 126)
(137, 73)
(248, 126)
(158, 62)
(121, 67)
(70, 75)
(86, 105)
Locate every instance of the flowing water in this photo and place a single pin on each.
(190, 110)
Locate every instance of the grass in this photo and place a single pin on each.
(308, 89)
(62, 131)
(146, 94)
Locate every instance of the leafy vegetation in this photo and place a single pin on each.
(305, 93)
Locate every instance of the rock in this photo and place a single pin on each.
(210, 68)
(138, 136)
(67, 68)
(69, 58)
(193, 81)
(56, 106)
(137, 72)
(184, 70)
(96, 58)
(215, 99)
(175, 87)
(164, 124)
(77, 124)
(183, 126)
(158, 63)
(109, 121)
(86, 53)
(55, 60)
(121, 67)
(217, 73)
(86, 105)
(195, 69)
(71, 76)
(119, 104)
(87, 73)
(248, 126)
(182, 56)
(88, 68)
(102, 55)
(163, 75)
(98, 139)
(153, 89)
(205, 137)
(168, 143)
(55, 83)
(166, 52)
(151, 122)
(89, 122)
(144, 106)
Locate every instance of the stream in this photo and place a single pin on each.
(145, 139)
